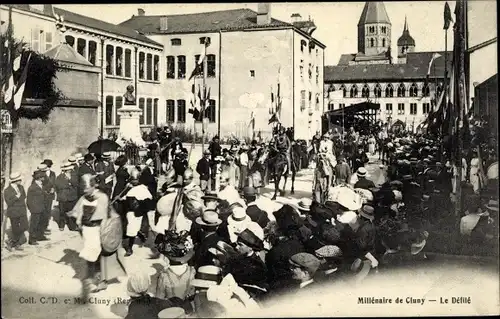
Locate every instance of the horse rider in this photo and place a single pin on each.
(326, 147)
(283, 145)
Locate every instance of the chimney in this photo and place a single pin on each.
(141, 12)
(163, 23)
(264, 13)
(296, 17)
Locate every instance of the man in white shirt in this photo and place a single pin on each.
(227, 191)
(243, 166)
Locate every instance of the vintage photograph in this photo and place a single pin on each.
(246, 160)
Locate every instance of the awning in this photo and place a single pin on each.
(353, 109)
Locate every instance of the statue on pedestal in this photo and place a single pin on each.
(129, 95)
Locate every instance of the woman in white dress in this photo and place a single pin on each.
(371, 145)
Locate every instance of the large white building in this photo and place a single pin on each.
(394, 80)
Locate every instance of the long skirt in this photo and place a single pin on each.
(133, 224)
(112, 265)
(91, 243)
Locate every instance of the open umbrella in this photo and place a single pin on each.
(104, 145)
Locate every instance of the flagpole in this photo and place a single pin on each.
(203, 102)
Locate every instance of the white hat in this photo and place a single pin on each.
(14, 177)
(42, 168)
(239, 214)
(361, 172)
(348, 217)
(66, 166)
(79, 156)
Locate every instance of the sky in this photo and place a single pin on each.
(336, 22)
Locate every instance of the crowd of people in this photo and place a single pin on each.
(227, 247)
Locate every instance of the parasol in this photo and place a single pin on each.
(104, 145)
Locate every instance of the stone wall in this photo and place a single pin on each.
(68, 130)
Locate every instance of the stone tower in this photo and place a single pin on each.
(374, 29)
(405, 44)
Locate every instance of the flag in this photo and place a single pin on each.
(21, 85)
(251, 123)
(434, 57)
(274, 118)
(9, 86)
(198, 68)
(194, 104)
(447, 16)
(16, 64)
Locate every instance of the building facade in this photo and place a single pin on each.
(249, 54)
(402, 86)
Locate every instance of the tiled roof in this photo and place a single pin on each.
(91, 23)
(374, 12)
(200, 22)
(416, 67)
(64, 52)
(104, 26)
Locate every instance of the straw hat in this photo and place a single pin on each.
(66, 166)
(367, 211)
(209, 218)
(239, 215)
(207, 276)
(78, 156)
(304, 204)
(173, 312)
(361, 172)
(15, 177)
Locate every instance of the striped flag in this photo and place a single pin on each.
(194, 109)
(447, 16)
(9, 87)
(21, 85)
(198, 68)
(434, 57)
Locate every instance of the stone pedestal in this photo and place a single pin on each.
(129, 125)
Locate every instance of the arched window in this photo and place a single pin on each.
(354, 91)
(383, 43)
(372, 42)
(401, 90)
(389, 90)
(365, 91)
(377, 90)
(425, 90)
(331, 88)
(342, 87)
(413, 90)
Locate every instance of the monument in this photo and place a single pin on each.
(129, 120)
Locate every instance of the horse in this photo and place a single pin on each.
(323, 178)
(278, 166)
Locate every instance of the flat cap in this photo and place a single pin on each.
(305, 261)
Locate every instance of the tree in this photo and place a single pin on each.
(41, 72)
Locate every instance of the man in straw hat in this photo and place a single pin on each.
(209, 222)
(15, 198)
(35, 200)
(363, 182)
(48, 187)
(67, 196)
(203, 169)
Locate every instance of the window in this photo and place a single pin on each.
(141, 106)
(93, 53)
(426, 108)
(181, 111)
(70, 41)
(210, 111)
(317, 74)
(342, 105)
(343, 88)
(301, 69)
(202, 68)
(176, 42)
(48, 40)
(109, 59)
(310, 71)
(365, 92)
(331, 88)
(310, 98)
(149, 111)
(170, 111)
(181, 67)
(210, 65)
(35, 39)
(252, 73)
(331, 106)
(372, 42)
(413, 90)
(81, 47)
(203, 39)
(142, 59)
(389, 90)
(149, 66)
(354, 91)
(155, 112)
(383, 43)
(413, 108)
(109, 110)
(317, 102)
(302, 100)
(383, 30)
(118, 105)
(156, 67)
(128, 63)
(377, 90)
(401, 108)
(388, 108)
(303, 43)
(425, 90)
(119, 61)
(171, 67)
(401, 90)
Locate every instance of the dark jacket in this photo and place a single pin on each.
(49, 184)
(148, 179)
(65, 189)
(364, 183)
(203, 168)
(278, 267)
(16, 206)
(359, 160)
(215, 149)
(122, 177)
(146, 307)
(249, 270)
(86, 169)
(36, 199)
(202, 256)
(342, 172)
